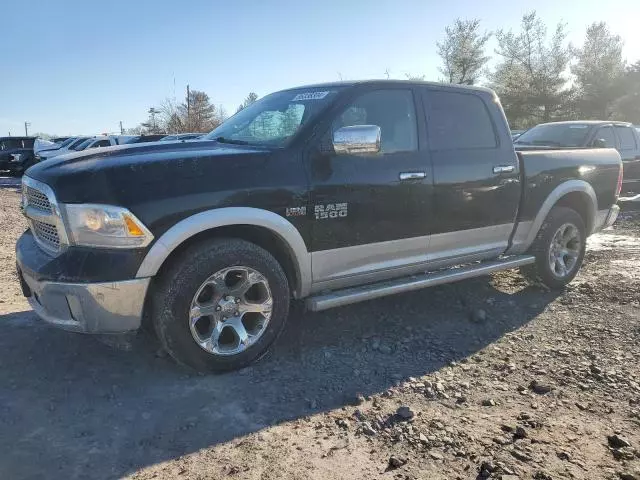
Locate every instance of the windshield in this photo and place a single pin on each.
(275, 119)
(556, 135)
(83, 145)
(12, 144)
(76, 142)
(65, 143)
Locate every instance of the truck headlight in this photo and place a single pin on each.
(93, 225)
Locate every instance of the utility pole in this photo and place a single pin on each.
(188, 109)
(121, 129)
(26, 128)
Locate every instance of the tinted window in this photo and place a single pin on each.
(627, 138)
(77, 142)
(606, 134)
(392, 110)
(556, 135)
(458, 120)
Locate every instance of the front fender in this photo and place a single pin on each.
(200, 222)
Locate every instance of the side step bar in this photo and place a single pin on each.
(339, 298)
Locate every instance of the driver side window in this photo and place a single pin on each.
(391, 110)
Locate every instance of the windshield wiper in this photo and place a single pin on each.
(231, 141)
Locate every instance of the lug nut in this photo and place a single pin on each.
(218, 308)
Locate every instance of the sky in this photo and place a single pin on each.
(81, 67)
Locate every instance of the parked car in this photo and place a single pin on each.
(16, 154)
(97, 141)
(65, 147)
(182, 136)
(589, 134)
(333, 193)
(145, 138)
(516, 133)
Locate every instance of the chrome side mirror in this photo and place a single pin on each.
(357, 139)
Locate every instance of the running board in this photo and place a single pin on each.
(339, 298)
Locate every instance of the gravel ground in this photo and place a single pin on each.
(488, 378)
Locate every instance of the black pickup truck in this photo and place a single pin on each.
(333, 193)
(16, 154)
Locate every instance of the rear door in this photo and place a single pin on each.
(372, 212)
(475, 171)
(629, 151)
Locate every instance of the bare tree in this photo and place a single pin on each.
(532, 77)
(599, 72)
(463, 52)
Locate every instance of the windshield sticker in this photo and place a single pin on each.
(310, 96)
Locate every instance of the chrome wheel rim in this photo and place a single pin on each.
(565, 250)
(231, 310)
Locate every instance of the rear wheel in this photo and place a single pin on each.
(559, 248)
(221, 305)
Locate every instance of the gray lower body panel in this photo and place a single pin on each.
(391, 287)
(113, 307)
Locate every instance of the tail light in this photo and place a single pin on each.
(619, 187)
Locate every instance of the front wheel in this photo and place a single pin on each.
(559, 248)
(220, 305)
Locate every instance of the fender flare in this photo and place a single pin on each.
(570, 186)
(228, 216)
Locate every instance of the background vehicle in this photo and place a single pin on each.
(333, 193)
(516, 133)
(67, 146)
(16, 154)
(145, 138)
(590, 134)
(60, 140)
(102, 141)
(182, 136)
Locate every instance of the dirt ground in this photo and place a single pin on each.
(488, 378)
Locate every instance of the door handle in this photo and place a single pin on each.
(412, 175)
(503, 168)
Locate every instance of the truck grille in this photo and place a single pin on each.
(47, 234)
(39, 205)
(36, 198)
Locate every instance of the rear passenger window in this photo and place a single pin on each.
(458, 120)
(627, 138)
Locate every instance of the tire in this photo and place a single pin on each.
(208, 279)
(570, 255)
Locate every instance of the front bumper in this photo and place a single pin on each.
(112, 307)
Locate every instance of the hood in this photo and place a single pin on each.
(105, 175)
